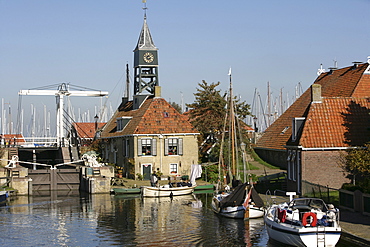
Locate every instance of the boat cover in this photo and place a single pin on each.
(257, 199)
(237, 197)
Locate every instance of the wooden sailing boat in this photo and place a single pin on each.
(242, 201)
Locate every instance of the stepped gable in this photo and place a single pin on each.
(337, 122)
(345, 82)
(155, 116)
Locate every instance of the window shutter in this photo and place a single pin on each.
(139, 148)
(154, 147)
(165, 146)
(180, 152)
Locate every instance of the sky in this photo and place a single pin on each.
(88, 43)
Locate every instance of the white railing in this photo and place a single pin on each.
(30, 142)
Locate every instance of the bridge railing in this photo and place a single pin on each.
(29, 142)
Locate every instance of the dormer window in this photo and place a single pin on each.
(122, 122)
(297, 127)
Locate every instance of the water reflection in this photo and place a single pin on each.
(74, 219)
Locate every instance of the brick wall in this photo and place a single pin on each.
(322, 167)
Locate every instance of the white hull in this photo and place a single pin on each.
(300, 236)
(293, 230)
(238, 212)
(147, 191)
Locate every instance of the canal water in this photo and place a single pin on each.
(74, 219)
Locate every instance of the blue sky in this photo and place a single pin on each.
(88, 43)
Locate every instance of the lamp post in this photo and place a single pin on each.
(255, 130)
(96, 122)
(242, 146)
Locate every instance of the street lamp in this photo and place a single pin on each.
(255, 124)
(242, 146)
(255, 130)
(96, 121)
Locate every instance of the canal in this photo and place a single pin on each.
(74, 219)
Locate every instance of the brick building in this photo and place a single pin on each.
(330, 117)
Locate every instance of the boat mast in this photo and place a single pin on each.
(232, 127)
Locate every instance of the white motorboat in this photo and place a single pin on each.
(303, 222)
(241, 203)
(166, 190)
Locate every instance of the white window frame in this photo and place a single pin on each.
(297, 125)
(169, 142)
(174, 168)
(147, 142)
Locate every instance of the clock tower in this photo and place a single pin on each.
(145, 63)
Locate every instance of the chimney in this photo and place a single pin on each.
(157, 91)
(316, 93)
(355, 64)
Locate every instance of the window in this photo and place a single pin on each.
(147, 146)
(122, 122)
(173, 146)
(173, 168)
(293, 165)
(126, 147)
(297, 126)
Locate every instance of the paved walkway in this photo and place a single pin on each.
(355, 227)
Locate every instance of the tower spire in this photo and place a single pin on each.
(145, 61)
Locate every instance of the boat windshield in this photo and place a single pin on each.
(308, 203)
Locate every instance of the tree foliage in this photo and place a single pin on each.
(208, 110)
(357, 163)
(177, 107)
(208, 114)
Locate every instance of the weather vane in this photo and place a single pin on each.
(144, 8)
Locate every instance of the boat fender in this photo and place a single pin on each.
(309, 214)
(281, 215)
(217, 204)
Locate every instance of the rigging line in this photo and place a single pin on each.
(263, 112)
(46, 87)
(114, 88)
(221, 157)
(73, 121)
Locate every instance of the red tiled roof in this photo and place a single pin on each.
(155, 116)
(337, 122)
(86, 130)
(11, 137)
(342, 83)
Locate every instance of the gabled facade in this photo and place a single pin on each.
(154, 137)
(330, 117)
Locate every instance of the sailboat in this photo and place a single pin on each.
(242, 202)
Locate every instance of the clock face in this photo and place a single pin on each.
(148, 57)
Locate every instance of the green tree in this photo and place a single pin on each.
(208, 113)
(357, 163)
(176, 106)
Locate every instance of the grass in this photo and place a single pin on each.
(262, 162)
